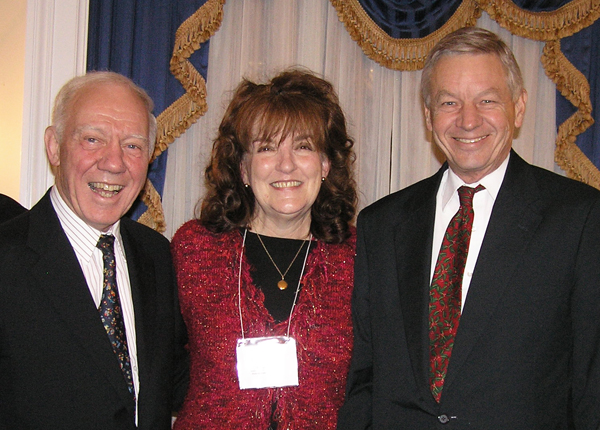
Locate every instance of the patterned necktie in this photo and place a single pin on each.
(110, 309)
(445, 293)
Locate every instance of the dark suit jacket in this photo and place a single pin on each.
(527, 351)
(57, 366)
(9, 208)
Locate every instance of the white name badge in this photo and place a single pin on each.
(267, 362)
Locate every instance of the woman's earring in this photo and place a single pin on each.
(323, 179)
(246, 185)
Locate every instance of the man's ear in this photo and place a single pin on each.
(520, 108)
(52, 146)
(427, 112)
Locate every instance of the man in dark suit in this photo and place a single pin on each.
(9, 208)
(526, 354)
(84, 345)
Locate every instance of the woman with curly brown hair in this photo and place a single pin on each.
(265, 273)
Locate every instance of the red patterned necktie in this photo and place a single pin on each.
(445, 292)
(110, 309)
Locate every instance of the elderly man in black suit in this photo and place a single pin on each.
(477, 291)
(90, 331)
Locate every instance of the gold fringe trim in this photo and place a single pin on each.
(182, 113)
(398, 54)
(543, 26)
(573, 85)
(153, 217)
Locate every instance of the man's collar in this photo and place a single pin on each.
(492, 182)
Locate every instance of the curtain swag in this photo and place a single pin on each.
(398, 54)
(549, 27)
(180, 115)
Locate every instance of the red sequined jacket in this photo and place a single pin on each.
(207, 267)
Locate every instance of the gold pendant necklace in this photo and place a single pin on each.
(282, 285)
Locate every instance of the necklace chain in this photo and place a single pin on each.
(282, 285)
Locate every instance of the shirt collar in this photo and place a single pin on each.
(82, 236)
(492, 183)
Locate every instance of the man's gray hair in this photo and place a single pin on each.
(472, 40)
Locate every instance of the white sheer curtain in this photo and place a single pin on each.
(259, 38)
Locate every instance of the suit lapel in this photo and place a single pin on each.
(514, 219)
(413, 241)
(60, 278)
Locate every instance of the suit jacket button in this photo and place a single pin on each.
(443, 419)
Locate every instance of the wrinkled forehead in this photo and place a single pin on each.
(113, 101)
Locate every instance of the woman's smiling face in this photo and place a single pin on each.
(285, 177)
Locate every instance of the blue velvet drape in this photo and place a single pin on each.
(135, 38)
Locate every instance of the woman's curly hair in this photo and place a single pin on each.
(295, 101)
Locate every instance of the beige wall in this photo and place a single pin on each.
(12, 70)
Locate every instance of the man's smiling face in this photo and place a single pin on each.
(472, 113)
(101, 160)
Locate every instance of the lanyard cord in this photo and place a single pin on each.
(297, 288)
(240, 283)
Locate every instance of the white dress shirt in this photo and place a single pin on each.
(447, 204)
(83, 239)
